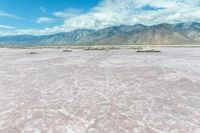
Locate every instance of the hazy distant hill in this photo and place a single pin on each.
(192, 30)
(181, 33)
(54, 39)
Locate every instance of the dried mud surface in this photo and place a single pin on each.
(119, 91)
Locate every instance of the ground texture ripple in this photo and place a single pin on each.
(117, 91)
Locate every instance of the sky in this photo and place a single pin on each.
(39, 17)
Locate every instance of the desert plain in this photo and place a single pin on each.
(116, 91)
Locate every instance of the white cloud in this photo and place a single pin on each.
(46, 31)
(5, 14)
(130, 12)
(116, 12)
(6, 27)
(68, 13)
(44, 20)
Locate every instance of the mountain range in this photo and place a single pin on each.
(181, 33)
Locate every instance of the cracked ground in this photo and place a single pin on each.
(117, 91)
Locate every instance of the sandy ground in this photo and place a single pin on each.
(118, 91)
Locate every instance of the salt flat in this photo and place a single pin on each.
(119, 91)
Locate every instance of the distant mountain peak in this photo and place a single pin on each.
(122, 34)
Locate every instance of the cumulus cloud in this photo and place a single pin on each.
(116, 12)
(9, 15)
(44, 20)
(130, 12)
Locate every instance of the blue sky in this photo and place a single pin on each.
(28, 11)
(53, 16)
